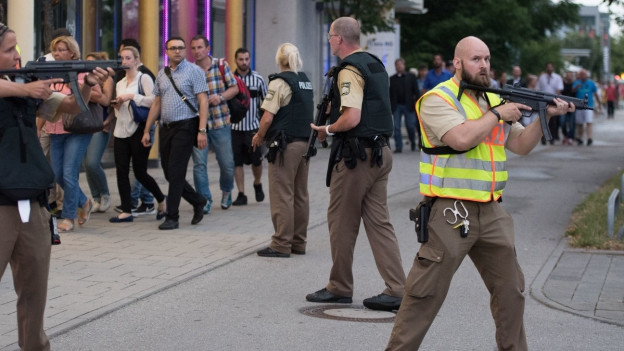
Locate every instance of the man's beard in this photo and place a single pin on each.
(482, 80)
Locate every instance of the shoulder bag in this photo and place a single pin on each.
(139, 113)
(88, 122)
(168, 73)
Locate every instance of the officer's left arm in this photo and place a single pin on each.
(522, 143)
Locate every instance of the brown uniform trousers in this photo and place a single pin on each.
(288, 195)
(27, 247)
(361, 194)
(490, 246)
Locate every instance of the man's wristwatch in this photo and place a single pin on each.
(202, 131)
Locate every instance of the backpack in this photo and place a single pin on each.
(239, 104)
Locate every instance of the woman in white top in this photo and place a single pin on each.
(128, 135)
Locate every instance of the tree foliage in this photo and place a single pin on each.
(516, 31)
(372, 14)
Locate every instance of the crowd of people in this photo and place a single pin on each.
(206, 85)
(574, 128)
(189, 102)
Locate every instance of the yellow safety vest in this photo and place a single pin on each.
(478, 174)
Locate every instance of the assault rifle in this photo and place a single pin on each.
(321, 114)
(68, 70)
(537, 100)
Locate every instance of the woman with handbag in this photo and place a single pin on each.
(134, 97)
(68, 149)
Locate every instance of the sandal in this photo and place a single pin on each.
(65, 226)
(85, 212)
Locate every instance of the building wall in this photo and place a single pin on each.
(297, 22)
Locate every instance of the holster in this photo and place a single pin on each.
(278, 145)
(420, 215)
(377, 151)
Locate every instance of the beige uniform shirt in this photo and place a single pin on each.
(438, 117)
(351, 85)
(278, 95)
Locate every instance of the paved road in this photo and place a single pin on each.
(132, 287)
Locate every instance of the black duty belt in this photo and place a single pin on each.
(370, 143)
(176, 124)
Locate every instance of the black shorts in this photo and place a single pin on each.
(243, 151)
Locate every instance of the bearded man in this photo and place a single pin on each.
(462, 174)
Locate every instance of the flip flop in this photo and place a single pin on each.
(65, 226)
(83, 216)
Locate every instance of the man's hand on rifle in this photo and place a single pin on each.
(98, 76)
(321, 135)
(560, 107)
(511, 112)
(41, 89)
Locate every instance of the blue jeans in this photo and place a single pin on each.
(138, 190)
(410, 125)
(221, 142)
(567, 123)
(66, 154)
(96, 178)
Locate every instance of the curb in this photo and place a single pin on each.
(537, 286)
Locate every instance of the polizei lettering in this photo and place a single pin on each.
(305, 85)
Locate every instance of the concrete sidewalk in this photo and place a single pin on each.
(102, 267)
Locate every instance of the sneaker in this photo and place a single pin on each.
(144, 209)
(208, 207)
(96, 206)
(259, 192)
(226, 200)
(579, 142)
(241, 200)
(118, 209)
(589, 141)
(383, 302)
(104, 204)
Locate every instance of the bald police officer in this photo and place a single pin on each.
(360, 163)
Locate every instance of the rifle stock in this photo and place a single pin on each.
(537, 100)
(321, 115)
(67, 70)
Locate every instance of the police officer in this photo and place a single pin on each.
(285, 128)
(360, 163)
(25, 176)
(466, 178)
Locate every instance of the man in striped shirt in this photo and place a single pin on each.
(243, 131)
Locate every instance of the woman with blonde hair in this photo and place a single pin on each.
(128, 134)
(68, 149)
(285, 128)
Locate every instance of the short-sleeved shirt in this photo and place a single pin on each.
(550, 83)
(190, 80)
(258, 90)
(438, 117)
(57, 126)
(219, 115)
(278, 96)
(432, 79)
(351, 86)
(588, 88)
